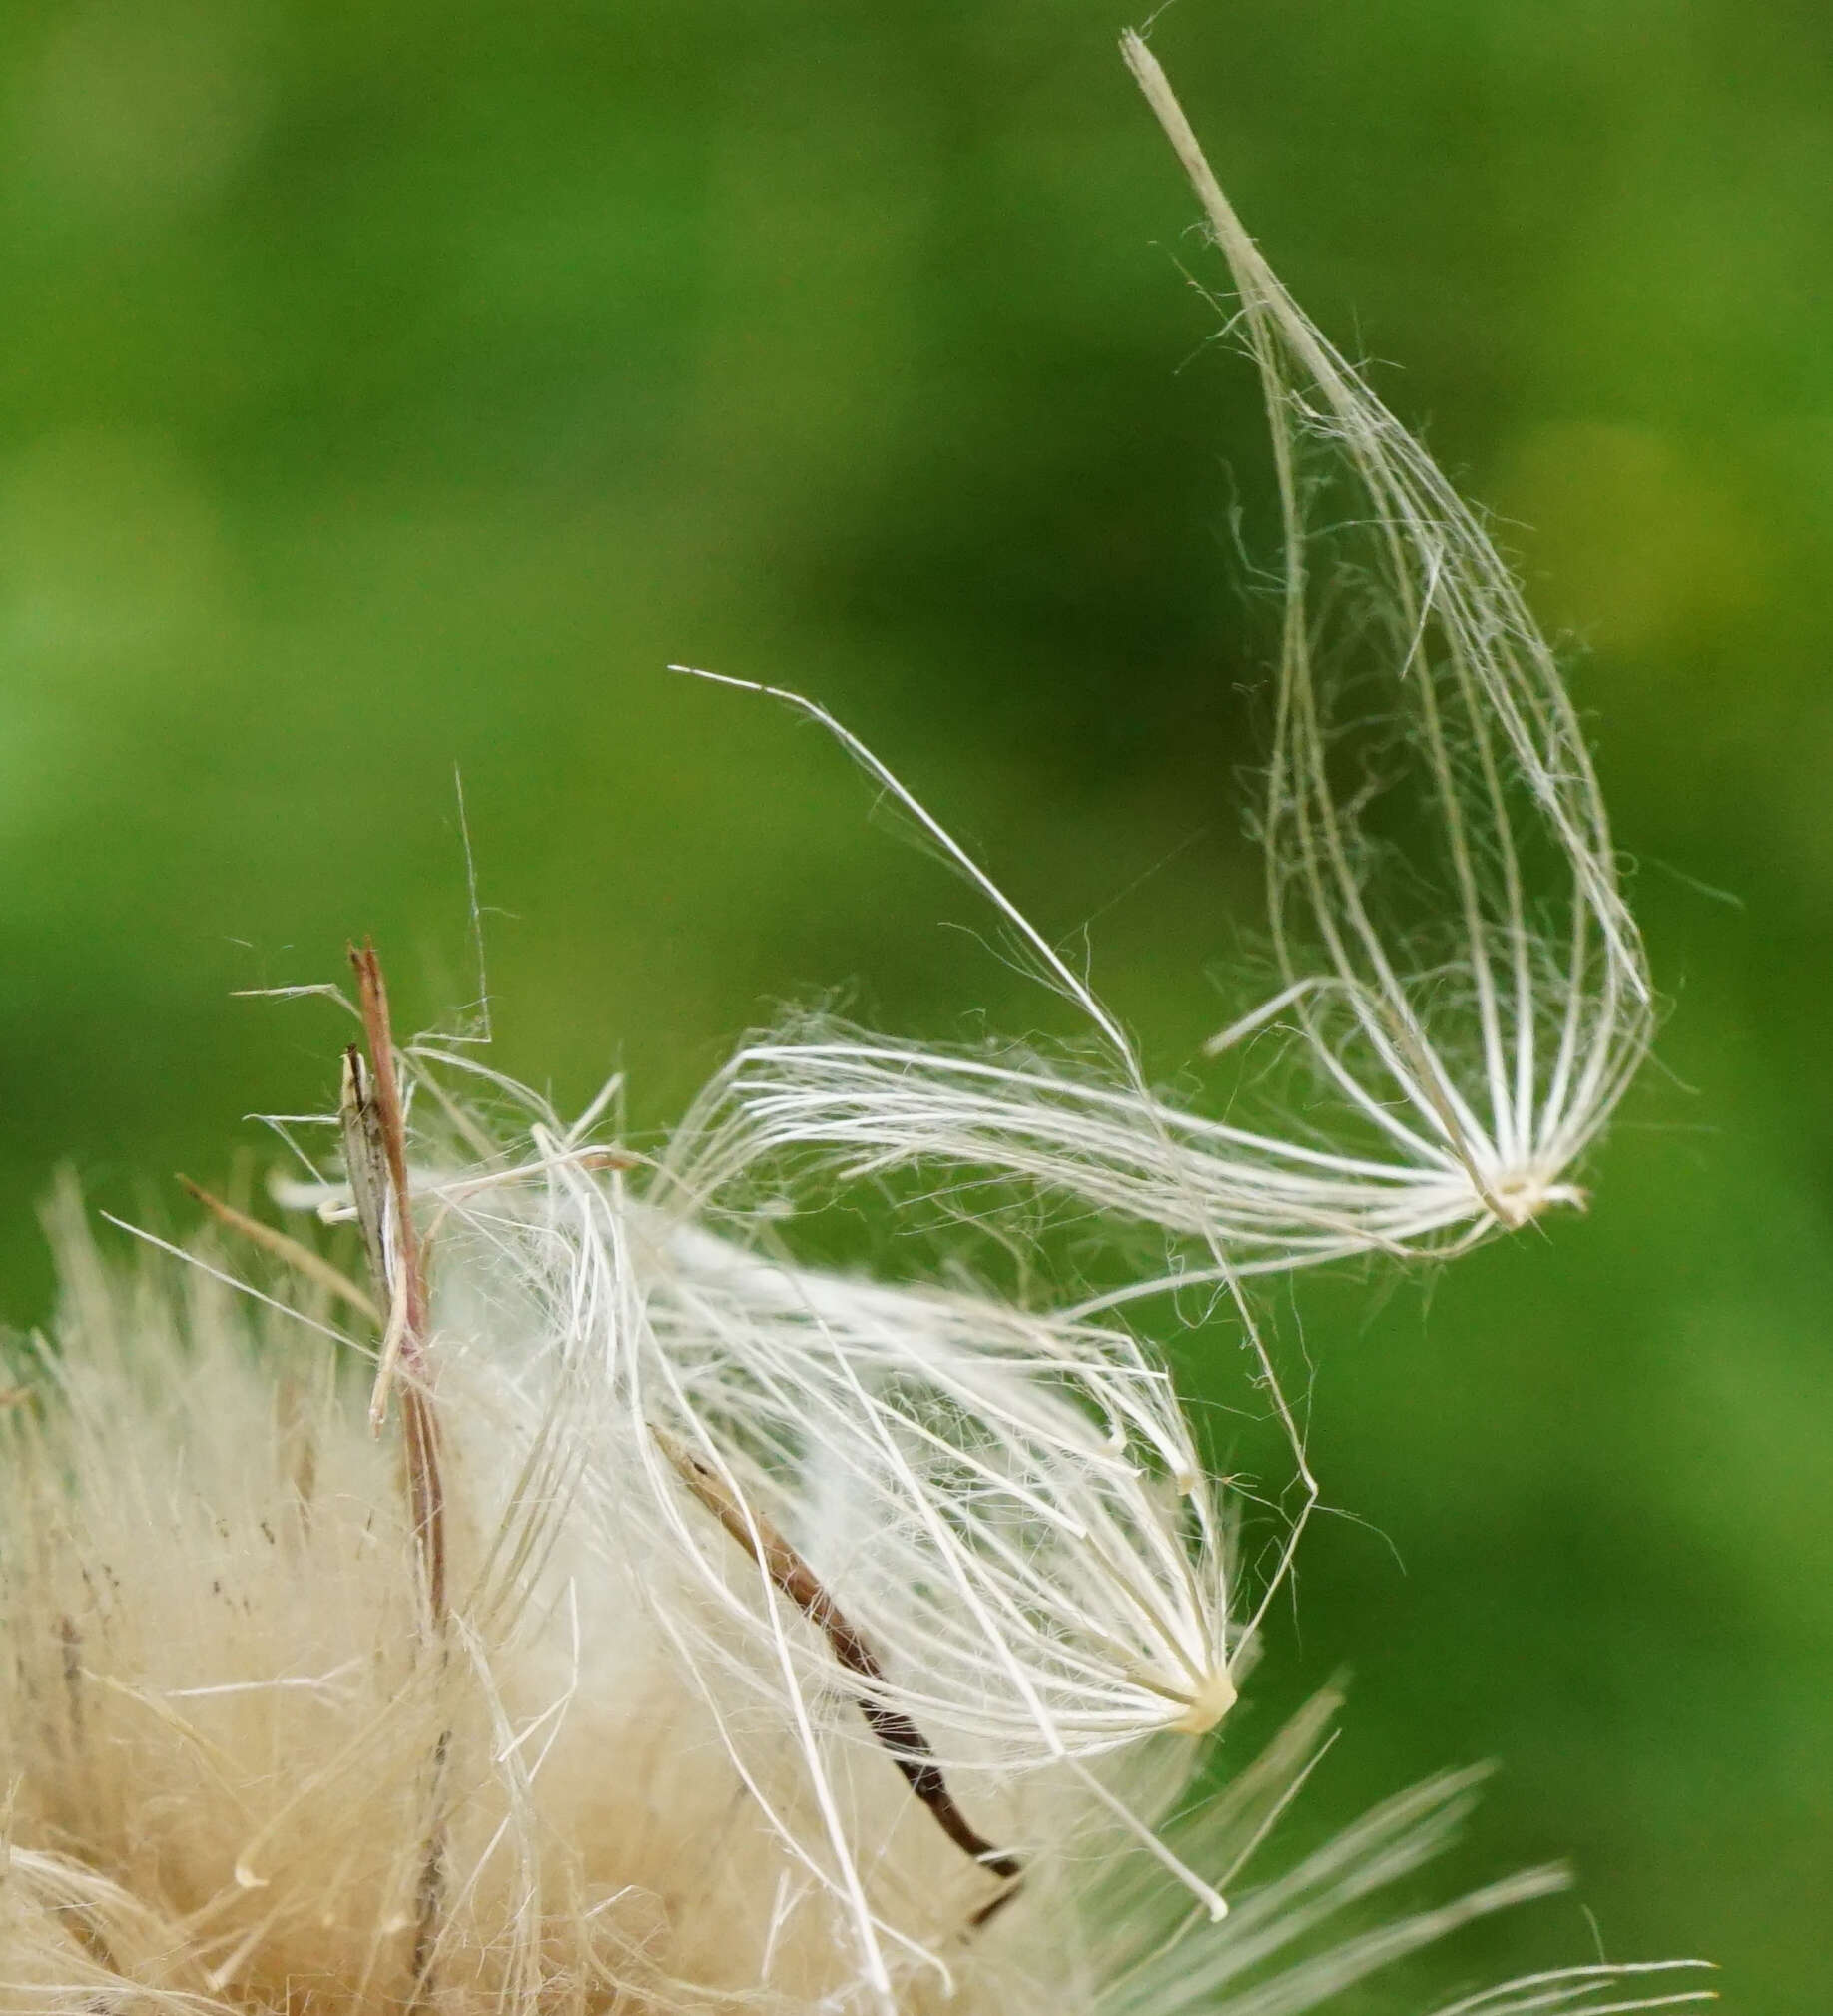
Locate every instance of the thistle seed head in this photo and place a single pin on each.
(709, 1630)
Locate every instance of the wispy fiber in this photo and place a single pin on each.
(1458, 973)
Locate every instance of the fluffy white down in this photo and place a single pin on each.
(639, 1776)
(1460, 991)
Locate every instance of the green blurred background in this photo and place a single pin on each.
(383, 389)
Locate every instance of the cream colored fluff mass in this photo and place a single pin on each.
(627, 1772)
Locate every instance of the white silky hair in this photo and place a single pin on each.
(228, 1739)
(1467, 1061)
(1010, 1508)
(798, 1640)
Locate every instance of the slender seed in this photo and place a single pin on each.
(907, 1745)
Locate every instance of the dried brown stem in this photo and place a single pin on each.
(376, 1157)
(375, 1149)
(391, 1130)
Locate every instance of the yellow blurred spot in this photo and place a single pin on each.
(1630, 537)
(107, 544)
(145, 106)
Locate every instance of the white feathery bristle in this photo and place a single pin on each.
(1551, 979)
(628, 1775)
(1010, 1510)
(1467, 1064)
